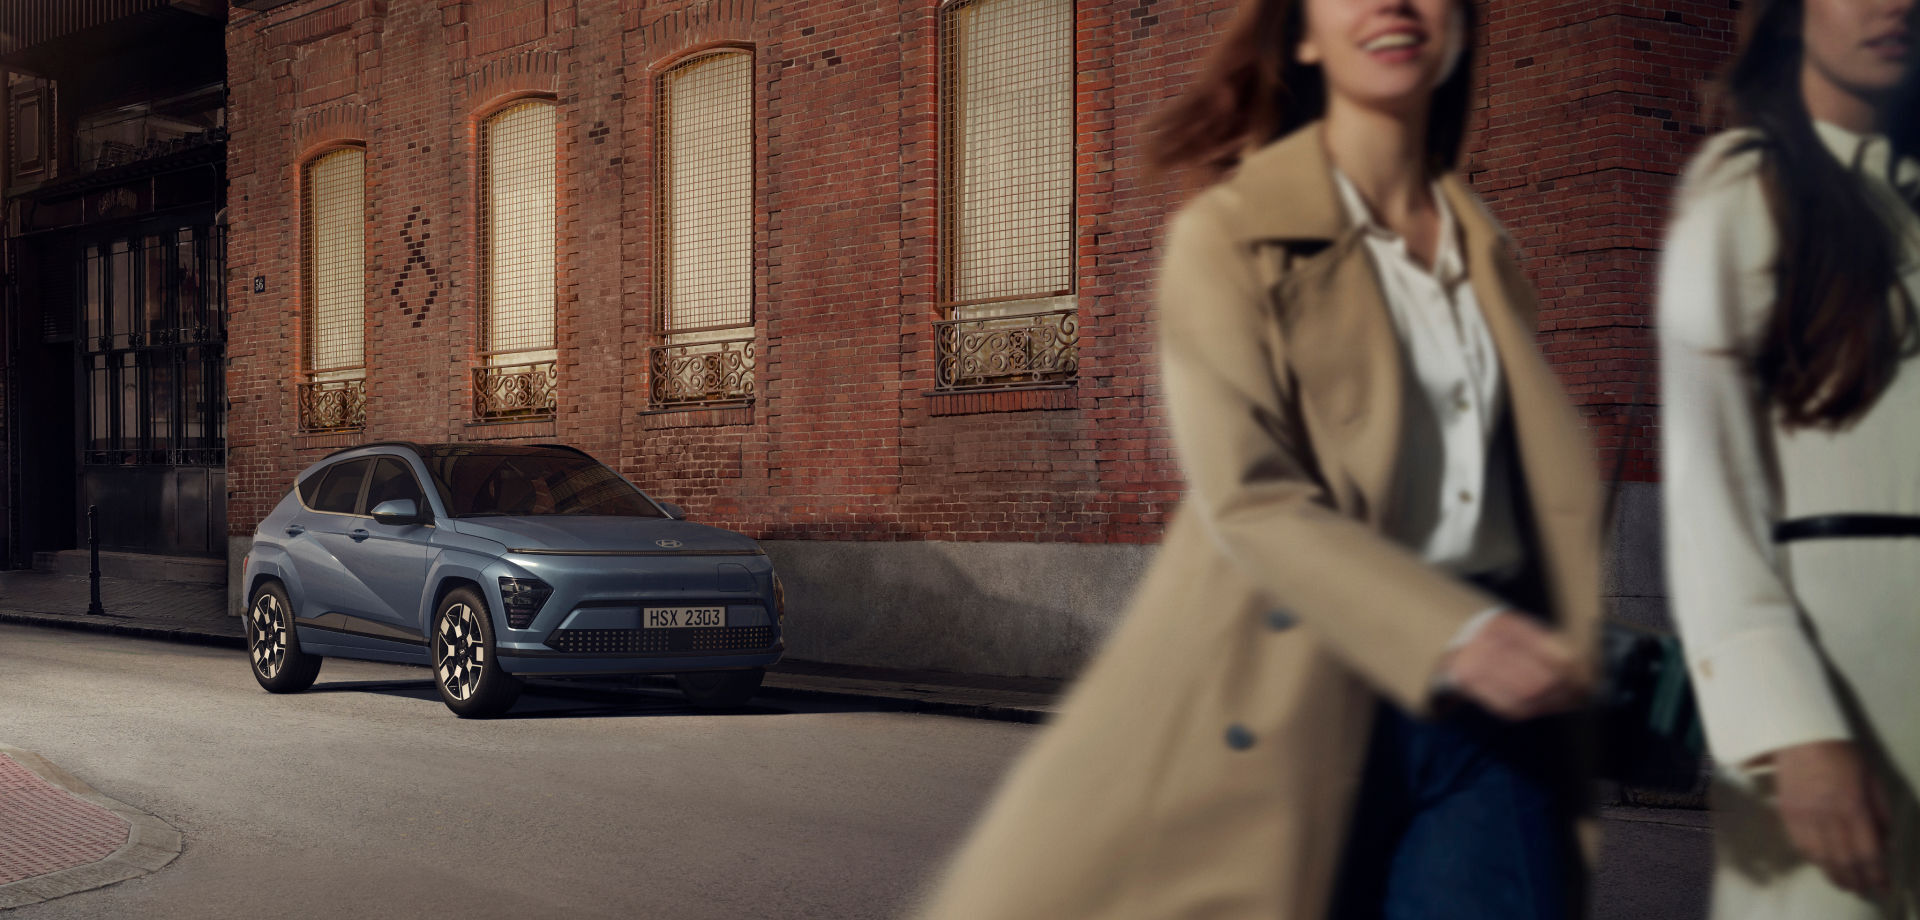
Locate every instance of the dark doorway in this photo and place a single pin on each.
(152, 357)
(44, 402)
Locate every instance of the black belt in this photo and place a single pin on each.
(1847, 525)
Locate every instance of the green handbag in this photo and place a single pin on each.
(1650, 735)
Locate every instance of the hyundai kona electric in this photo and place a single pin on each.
(492, 564)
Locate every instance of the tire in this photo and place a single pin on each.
(720, 689)
(273, 647)
(466, 669)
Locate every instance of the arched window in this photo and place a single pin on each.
(1007, 205)
(705, 230)
(333, 258)
(517, 206)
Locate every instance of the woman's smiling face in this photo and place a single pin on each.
(1388, 55)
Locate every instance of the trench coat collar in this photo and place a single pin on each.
(1291, 198)
(1292, 180)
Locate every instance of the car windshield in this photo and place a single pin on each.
(532, 481)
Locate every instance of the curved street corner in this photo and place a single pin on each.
(59, 836)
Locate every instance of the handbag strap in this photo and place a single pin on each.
(1620, 463)
(1613, 501)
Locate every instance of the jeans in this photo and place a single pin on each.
(1457, 820)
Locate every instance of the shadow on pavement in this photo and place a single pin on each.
(553, 700)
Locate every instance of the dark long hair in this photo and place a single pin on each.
(1830, 347)
(1253, 90)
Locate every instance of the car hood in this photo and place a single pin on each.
(563, 533)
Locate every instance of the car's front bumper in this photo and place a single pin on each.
(546, 662)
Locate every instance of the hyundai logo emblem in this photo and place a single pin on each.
(669, 544)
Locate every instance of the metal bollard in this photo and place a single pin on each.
(93, 568)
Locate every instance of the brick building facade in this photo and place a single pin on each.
(987, 526)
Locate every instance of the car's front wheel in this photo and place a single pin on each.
(466, 669)
(272, 646)
(720, 689)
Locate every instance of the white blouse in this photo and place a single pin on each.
(1456, 509)
(1747, 612)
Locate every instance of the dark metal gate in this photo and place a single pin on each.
(152, 355)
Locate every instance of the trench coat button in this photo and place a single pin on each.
(1279, 620)
(1239, 738)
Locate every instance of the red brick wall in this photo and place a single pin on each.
(843, 441)
(1588, 113)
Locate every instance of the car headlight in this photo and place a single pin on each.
(523, 598)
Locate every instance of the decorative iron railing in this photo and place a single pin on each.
(702, 373)
(333, 405)
(1002, 352)
(514, 391)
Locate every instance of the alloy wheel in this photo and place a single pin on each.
(267, 635)
(459, 652)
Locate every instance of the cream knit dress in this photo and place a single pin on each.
(1801, 641)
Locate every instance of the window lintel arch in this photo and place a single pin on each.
(700, 51)
(500, 102)
(314, 152)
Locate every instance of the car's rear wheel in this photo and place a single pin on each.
(720, 689)
(273, 648)
(466, 669)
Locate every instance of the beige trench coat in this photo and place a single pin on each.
(1206, 763)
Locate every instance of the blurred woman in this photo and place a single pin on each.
(1792, 427)
(1329, 693)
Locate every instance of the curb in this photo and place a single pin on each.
(151, 843)
(183, 636)
(908, 701)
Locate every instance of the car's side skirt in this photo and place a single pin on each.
(396, 654)
(363, 627)
(338, 635)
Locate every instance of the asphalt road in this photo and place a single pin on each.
(366, 798)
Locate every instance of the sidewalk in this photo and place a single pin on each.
(195, 613)
(59, 836)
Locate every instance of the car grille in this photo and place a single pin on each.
(653, 641)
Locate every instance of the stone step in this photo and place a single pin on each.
(193, 570)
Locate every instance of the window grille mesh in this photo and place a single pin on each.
(706, 206)
(517, 224)
(334, 206)
(1007, 112)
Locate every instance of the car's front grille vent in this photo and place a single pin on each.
(653, 641)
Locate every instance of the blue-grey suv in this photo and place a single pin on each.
(495, 563)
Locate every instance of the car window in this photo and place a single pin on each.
(340, 487)
(392, 480)
(311, 485)
(529, 482)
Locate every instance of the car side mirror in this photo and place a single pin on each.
(674, 511)
(398, 511)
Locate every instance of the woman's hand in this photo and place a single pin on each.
(1835, 812)
(1518, 670)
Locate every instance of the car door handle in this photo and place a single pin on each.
(294, 530)
(359, 533)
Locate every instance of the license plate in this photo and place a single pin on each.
(683, 617)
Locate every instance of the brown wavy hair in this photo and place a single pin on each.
(1253, 91)
(1830, 346)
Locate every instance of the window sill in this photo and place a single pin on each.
(696, 417)
(508, 428)
(335, 439)
(1025, 399)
